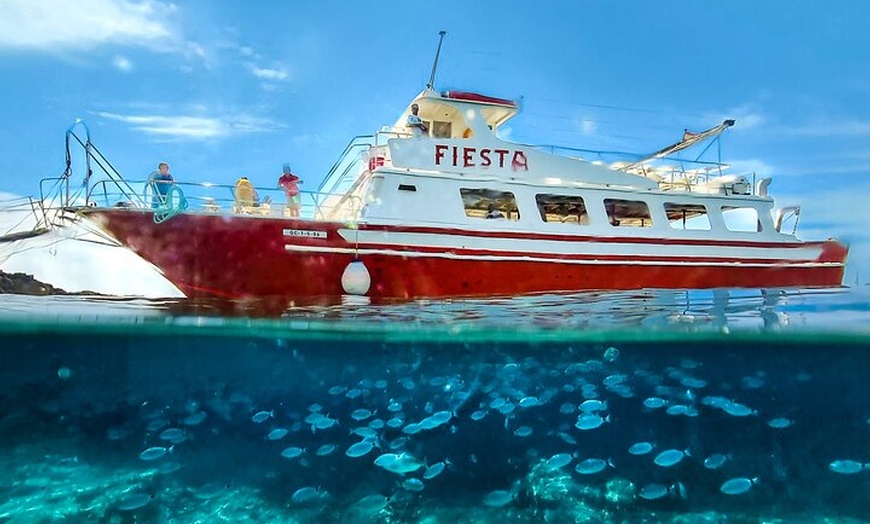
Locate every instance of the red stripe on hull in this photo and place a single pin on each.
(245, 257)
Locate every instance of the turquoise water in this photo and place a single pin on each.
(126, 410)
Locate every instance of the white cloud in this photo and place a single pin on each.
(180, 127)
(122, 63)
(748, 166)
(48, 25)
(273, 75)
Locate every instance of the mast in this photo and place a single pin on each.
(435, 64)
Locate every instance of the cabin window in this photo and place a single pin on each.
(743, 219)
(442, 129)
(407, 187)
(627, 213)
(562, 208)
(687, 216)
(489, 204)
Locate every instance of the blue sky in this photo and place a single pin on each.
(221, 89)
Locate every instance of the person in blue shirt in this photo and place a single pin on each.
(160, 182)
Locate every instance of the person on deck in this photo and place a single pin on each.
(415, 123)
(245, 195)
(160, 182)
(290, 184)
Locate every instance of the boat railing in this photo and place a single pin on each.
(211, 198)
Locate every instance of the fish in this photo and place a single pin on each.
(154, 453)
(194, 419)
(847, 467)
(411, 429)
(641, 448)
(590, 421)
(523, 431)
(616, 378)
(559, 460)
(498, 403)
(305, 494)
(593, 406)
(655, 402)
(435, 420)
(412, 484)
(670, 457)
(591, 466)
(780, 423)
(567, 408)
(174, 435)
(134, 501)
(325, 449)
(694, 383)
(324, 423)
(292, 452)
(653, 491)
(277, 434)
(478, 415)
(371, 504)
(364, 432)
(317, 408)
(400, 464)
(262, 416)
(715, 461)
(677, 409)
(360, 449)
(527, 402)
(497, 498)
(435, 469)
(361, 414)
(395, 422)
(507, 408)
(737, 486)
(738, 410)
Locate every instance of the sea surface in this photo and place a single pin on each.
(648, 406)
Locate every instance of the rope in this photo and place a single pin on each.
(167, 207)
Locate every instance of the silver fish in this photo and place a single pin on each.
(154, 453)
(262, 416)
(737, 486)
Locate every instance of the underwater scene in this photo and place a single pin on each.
(726, 406)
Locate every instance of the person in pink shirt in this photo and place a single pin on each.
(290, 183)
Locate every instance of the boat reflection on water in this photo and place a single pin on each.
(681, 311)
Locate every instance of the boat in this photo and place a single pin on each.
(461, 212)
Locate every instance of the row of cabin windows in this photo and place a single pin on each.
(489, 204)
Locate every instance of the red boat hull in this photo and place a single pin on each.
(294, 260)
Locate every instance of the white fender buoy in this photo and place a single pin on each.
(356, 279)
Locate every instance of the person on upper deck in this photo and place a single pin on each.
(290, 183)
(415, 123)
(161, 182)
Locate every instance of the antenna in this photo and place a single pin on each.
(435, 64)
